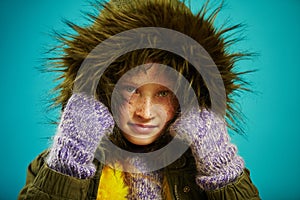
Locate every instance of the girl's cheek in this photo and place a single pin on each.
(130, 104)
(170, 107)
(125, 108)
(128, 101)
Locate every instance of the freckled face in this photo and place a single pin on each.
(148, 105)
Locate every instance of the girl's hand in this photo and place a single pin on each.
(83, 123)
(216, 158)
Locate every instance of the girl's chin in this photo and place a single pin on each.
(142, 140)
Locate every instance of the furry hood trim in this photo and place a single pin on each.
(117, 16)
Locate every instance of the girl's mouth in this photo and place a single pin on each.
(142, 128)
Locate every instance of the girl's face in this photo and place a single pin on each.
(148, 105)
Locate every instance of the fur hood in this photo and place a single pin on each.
(117, 16)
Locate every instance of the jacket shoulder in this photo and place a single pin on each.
(242, 188)
(44, 183)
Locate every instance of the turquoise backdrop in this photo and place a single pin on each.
(272, 144)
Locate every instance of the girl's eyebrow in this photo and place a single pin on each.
(131, 83)
(127, 82)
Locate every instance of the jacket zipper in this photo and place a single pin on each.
(176, 192)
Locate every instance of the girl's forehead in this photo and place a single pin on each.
(150, 73)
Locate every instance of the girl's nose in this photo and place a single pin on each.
(144, 108)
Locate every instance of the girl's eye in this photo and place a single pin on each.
(130, 89)
(163, 93)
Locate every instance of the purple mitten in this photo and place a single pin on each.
(83, 123)
(216, 158)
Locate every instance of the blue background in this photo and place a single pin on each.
(272, 145)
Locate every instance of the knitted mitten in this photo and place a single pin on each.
(83, 123)
(216, 158)
(144, 185)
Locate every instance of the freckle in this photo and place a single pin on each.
(129, 101)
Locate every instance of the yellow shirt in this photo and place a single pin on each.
(111, 185)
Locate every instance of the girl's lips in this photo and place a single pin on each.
(142, 128)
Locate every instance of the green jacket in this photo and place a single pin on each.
(45, 183)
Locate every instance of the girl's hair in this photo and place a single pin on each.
(117, 16)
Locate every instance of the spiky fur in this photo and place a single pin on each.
(172, 14)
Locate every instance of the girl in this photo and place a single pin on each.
(139, 101)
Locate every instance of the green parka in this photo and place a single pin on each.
(44, 183)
